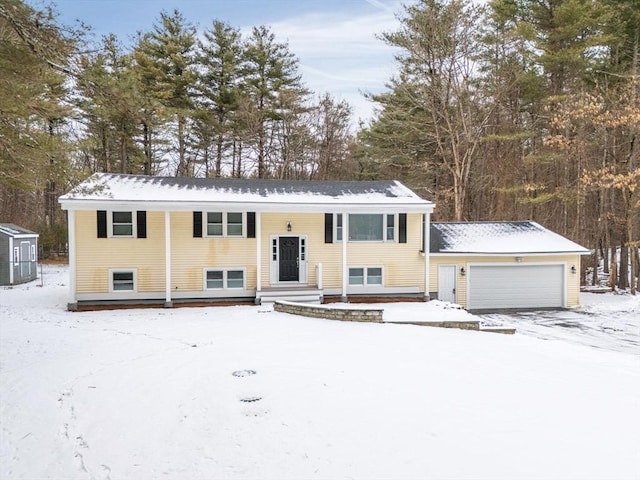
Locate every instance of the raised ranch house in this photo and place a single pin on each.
(136, 239)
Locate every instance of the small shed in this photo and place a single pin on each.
(18, 254)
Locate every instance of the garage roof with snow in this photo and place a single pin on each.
(494, 238)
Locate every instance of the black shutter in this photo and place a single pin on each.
(141, 217)
(102, 224)
(402, 225)
(251, 224)
(328, 228)
(197, 224)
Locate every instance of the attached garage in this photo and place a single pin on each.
(515, 286)
(503, 265)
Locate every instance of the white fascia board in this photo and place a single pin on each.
(284, 207)
(511, 254)
(25, 235)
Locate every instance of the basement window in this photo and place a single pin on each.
(123, 280)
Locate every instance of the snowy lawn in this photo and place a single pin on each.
(245, 392)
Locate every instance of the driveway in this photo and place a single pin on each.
(595, 324)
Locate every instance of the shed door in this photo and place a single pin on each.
(515, 286)
(447, 283)
(25, 260)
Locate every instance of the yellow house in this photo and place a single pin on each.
(137, 239)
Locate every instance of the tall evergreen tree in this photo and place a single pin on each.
(220, 59)
(274, 87)
(166, 68)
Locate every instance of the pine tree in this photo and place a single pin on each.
(166, 70)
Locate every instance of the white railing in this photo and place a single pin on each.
(319, 276)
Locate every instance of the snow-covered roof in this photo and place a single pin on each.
(12, 230)
(498, 238)
(173, 191)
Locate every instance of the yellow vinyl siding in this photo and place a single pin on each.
(402, 263)
(189, 255)
(311, 225)
(573, 280)
(96, 256)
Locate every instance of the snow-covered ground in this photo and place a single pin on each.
(247, 393)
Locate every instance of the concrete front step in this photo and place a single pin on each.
(290, 295)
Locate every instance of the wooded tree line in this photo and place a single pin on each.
(518, 109)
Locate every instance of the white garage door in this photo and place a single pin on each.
(515, 286)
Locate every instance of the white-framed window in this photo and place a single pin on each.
(365, 276)
(122, 224)
(16, 256)
(33, 253)
(224, 278)
(225, 224)
(338, 224)
(123, 280)
(372, 227)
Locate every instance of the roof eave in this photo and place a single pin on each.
(264, 206)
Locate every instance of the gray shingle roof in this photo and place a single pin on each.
(138, 188)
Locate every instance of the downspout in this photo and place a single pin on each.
(167, 258)
(427, 266)
(73, 302)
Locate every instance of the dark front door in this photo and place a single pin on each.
(289, 259)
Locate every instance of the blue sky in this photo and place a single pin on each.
(333, 39)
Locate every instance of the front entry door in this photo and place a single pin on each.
(289, 260)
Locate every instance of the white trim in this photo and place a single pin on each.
(134, 223)
(33, 252)
(71, 222)
(225, 222)
(511, 254)
(376, 291)
(427, 255)
(282, 207)
(134, 271)
(365, 275)
(141, 296)
(384, 226)
(274, 264)
(167, 257)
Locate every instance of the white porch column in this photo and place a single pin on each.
(167, 258)
(258, 253)
(71, 219)
(427, 266)
(345, 270)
